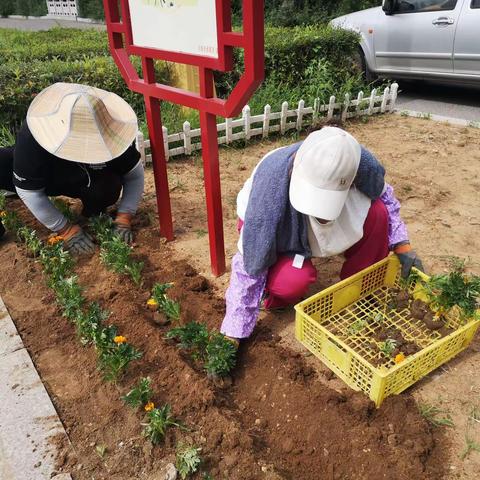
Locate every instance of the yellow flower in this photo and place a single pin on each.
(149, 406)
(119, 339)
(152, 302)
(3, 213)
(399, 358)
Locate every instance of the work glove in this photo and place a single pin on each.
(408, 259)
(76, 241)
(123, 227)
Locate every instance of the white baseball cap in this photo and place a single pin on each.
(323, 172)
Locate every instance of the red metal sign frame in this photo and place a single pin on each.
(251, 40)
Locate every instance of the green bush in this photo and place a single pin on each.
(57, 43)
(21, 81)
(34, 8)
(91, 9)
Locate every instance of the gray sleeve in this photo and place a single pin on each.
(133, 183)
(42, 208)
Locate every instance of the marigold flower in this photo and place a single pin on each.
(399, 358)
(3, 213)
(119, 339)
(55, 239)
(149, 406)
(152, 302)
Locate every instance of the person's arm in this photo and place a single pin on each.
(243, 298)
(133, 184)
(42, 208)
(397, 234)
(397, 230)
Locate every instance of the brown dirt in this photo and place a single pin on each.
(275, 421)
(279, 419)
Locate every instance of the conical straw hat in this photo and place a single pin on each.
(81, 123)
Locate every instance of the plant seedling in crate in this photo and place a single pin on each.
(158, 421)
(356, 327)
(187, 460)
(387, 347)
(140, 395)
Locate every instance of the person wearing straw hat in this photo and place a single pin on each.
(322, 197)
(77, 141)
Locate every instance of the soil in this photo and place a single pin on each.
(281, 418)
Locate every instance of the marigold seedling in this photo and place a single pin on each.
(357, 326)
(220, 355)
(90, 322)
(187, 460)
(387, 347)
(69, 294)
(169, 307)
(158, 421)
(140, 395)
(192, 337)
(114, 360)
(29, 237)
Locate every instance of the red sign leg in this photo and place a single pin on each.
(208, 124)
(152, 107)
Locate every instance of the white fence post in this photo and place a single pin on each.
(140, 144)
(266, 121)
(246, 121)
(331, 107)
(345, 107)
(228, 131)
(384, 99)
(301, 106)
(316, 110)
(283, 118)
(359, 102)
(165, 143)
(393, 96)
(342, 110)
(187, 139)
(372, 101)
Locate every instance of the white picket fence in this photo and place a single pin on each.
(248, 125)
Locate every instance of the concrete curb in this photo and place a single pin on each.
(438, 118)
(28, 420)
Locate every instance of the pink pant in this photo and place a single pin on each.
(287, 285)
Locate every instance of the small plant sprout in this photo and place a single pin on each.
(357, 326)
(470, 446)
(158, 421)
(435, 416)
(221, 356)
(187, 460)
(169, 307)
(387, 347)
(89, 322)
(140, 395)
(29, 237)
(101, 450)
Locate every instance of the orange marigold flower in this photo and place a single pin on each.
(149, 406)
(152, 301)
(119, 339)
(55, 239)
(399, 358)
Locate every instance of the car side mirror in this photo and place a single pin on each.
(389, 6)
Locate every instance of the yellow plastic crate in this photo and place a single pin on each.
(322, 323)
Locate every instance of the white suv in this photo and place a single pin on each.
(434, 39)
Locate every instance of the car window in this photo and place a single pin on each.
(475, 4)
(417, 6)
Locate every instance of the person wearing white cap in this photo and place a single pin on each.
(77, 141)
(321, 197)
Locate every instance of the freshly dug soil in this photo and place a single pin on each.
(276, 420)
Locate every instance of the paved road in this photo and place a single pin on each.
(45, 24)
(448, 101)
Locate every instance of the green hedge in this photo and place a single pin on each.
(57, 43)
(300, 63)
(34, 8)
(91, 9)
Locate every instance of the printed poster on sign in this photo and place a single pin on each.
(181, 26)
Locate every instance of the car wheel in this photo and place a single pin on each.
(362, 66)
